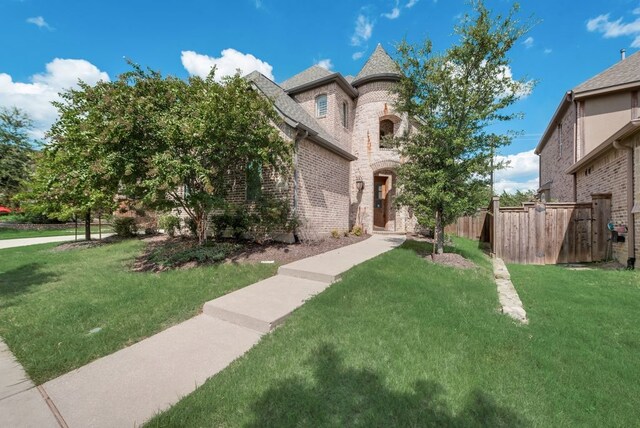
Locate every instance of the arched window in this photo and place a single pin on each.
(321, 105)
(386, 134)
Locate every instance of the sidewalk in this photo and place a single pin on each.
(23, 242)
(130, 386)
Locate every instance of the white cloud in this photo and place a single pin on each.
(35, 97)
(357, 55)
(520, 174)
(363, 30)
(226, 65)
(611, 29)
(411, 3)
(39, 22)
(325, 63)
(528, 42)
(548, 51)
(524, 89)
(395, 12)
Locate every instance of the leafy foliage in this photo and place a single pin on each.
(16, 152)
(170, 224)
(454, 96)
(163, 141)
(517, 198)
(125, 227)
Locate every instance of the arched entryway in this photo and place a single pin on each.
(384, 190)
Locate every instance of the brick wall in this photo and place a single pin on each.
(554, 161)
(607, 174)
(323, 191)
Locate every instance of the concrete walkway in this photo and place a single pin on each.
(128, 387)
(24, 242)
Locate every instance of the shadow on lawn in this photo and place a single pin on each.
(21, 279)
(343, 396)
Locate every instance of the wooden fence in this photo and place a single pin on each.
(542, 233)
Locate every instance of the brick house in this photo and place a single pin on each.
(591, 147)
(344, 169)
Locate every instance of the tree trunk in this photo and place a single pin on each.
(201, 227)
(439, 233)
(87, 226)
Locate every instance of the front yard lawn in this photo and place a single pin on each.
(403, 342)
(51, 300)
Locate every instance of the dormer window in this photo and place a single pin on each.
(321, 105)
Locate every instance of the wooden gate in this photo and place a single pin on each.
(544, 233)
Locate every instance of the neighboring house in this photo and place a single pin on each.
(344, 166)
(592, 147)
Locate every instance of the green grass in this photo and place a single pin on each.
(49, 301)
(403, 342)
(8, 233)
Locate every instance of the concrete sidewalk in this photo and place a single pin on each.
(128, 387)
(24, 242)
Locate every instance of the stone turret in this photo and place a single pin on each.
(375, 124)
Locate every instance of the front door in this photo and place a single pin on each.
(379, 202)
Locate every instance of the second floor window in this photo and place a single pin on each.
(386, 134)
(321, 105)
(345, 113)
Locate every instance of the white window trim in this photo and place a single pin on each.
(326, 105)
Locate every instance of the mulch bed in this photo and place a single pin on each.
(74, 245)
(270, 252)
(448, 259)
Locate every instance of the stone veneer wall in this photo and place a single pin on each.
(323, 191)
(553, 164)
(607, 174)
(375, 101)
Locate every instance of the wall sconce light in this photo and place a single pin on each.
(359, 184)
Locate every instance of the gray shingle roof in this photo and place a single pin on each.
(295, 114)
(379, 65)
(622, 72)
(309, 75)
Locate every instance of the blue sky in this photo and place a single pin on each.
(46, 45)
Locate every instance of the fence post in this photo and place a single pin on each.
(495, 232)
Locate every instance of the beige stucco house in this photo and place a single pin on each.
(344, 167)
(592, 147)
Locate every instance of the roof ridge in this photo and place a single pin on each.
(621, 72)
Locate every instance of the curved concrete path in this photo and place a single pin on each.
(24, 242)
(128, 387)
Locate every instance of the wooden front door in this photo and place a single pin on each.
(379, 201)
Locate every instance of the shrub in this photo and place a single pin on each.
(125, 227)
(234, 219)
(357, 230)
(170, 224)
(192, 226)
(335, 233)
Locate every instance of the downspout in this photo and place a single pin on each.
(631, 241)
(300, 135)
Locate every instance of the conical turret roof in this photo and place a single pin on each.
(379, 66)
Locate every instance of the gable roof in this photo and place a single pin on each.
(379, 66)
(296, 116)
(313, 77)
(311, 74)
(623, 72)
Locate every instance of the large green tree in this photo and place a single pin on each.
(454, 96)
(16, 152)
(163, 141)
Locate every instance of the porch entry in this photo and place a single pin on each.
(383, 211)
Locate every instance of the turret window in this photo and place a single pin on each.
(321, 105)
(386, 134)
